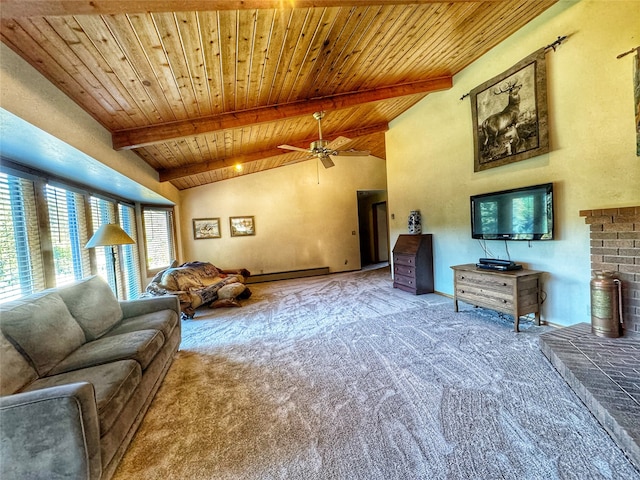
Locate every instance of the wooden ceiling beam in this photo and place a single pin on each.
(169, 174)
(43, 8)
(144, 136)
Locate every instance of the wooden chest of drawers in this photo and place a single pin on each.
(413, 263)
(515, 292)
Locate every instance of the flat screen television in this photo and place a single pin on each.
(518, 214)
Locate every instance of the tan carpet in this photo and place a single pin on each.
(344, 377)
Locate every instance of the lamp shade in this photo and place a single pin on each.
(109, 234)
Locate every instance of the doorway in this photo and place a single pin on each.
(373, 227)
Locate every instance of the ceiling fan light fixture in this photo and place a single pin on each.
(321, 147)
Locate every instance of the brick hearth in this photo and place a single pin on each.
(605, 372)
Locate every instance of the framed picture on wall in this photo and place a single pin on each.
(510, 114)
(206, 228)
(242, 226)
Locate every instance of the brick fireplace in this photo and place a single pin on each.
(615, 246)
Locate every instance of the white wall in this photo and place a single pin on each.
(592, 161)
(27, 94)
(304, 216)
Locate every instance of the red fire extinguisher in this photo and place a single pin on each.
(606, 304)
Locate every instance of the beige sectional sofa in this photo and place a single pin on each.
(78, 372)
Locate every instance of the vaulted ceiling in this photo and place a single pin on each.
(197, 87)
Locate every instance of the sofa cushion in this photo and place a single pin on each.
(93, 304)
(141, 346)
(15, 372)
(114, 384)
(42, 329)
(163, 320)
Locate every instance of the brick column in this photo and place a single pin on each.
(615, 246)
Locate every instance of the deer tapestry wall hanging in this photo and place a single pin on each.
(510, 114)
(636, 95)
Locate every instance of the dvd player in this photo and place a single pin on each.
(499, 267)
(495, 261)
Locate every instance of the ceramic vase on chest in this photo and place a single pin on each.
(415, 222)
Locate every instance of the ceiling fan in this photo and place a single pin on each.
(323, 149)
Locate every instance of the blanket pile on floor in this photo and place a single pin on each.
(200, 283)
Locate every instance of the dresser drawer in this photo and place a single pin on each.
(404, 280)
(404, 270)
(408, 260)
(496, 283)
(484, 297)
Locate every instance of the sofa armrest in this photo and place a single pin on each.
(50, 433)
(140, 306)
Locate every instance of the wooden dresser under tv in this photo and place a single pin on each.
(516, 292)
(413, 264)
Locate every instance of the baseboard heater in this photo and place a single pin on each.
(270, 277)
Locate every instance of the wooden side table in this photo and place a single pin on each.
(515, 292)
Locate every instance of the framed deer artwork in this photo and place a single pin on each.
(510, 114)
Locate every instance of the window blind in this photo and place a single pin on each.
(158, 228)
(130, 257)
(67, 224)
(21, 267)
(103, 211)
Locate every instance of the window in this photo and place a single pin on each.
(68, 229)
(158, 230)
(35, 214)
(21, 266)
(130, 257)
(103, 211)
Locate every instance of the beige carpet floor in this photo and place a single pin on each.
(344, 377)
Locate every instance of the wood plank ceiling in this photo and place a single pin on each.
(197, 87)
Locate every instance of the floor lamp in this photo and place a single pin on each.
(110, 235)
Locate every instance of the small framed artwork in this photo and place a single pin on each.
(206, 228)
(242, 226)
(510, 114)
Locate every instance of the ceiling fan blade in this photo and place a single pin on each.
(297, 149)
(326, 161)
(351, 153)
(298, 160)
(338, 142)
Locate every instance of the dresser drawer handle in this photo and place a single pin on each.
(504, 301)
(504, 284)
(461, 277)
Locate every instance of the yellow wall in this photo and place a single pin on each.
(592, 161)
(304, 216)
